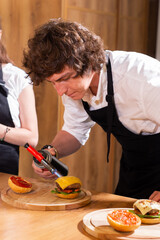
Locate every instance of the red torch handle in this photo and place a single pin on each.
(33, 151)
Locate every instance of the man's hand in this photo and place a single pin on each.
(66, 144)
(155, 196)
(44, 173)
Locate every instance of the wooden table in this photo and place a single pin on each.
(18, 224)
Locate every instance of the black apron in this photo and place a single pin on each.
(9, 153)
(140, 162)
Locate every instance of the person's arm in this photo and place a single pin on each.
(28, 132)
(65, 144)
(77, 122)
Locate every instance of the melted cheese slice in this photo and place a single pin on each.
(145, 205)
(67, 180)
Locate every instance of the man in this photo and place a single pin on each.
(118, 90)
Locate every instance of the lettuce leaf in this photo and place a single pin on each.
(56, 191)
(145, 216)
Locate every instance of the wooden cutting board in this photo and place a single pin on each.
(41, 198)
(96, 224)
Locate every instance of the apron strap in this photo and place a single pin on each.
(0, 72)
(110, 100)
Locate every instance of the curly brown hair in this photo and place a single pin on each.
(59, 43)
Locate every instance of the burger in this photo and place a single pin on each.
(67, 187)
(147, 210)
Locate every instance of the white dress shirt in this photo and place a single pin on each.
(15, 81)
(136, 83)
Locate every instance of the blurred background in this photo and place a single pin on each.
(131, 25)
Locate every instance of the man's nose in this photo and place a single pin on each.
(60, 88)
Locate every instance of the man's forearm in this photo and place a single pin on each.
(65, 143)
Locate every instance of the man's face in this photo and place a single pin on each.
(67, 82)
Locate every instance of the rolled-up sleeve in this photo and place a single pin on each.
(76, 121)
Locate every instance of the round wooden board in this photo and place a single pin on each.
(41, 198)
(96, 224)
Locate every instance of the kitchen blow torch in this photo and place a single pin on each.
(44, 159)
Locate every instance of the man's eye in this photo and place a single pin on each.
(64, 79)
(75, 76)
(49, 81)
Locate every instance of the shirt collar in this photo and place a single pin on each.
(102, 87)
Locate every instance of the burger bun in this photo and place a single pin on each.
(67, 196)
(150, 220)
(121, 226)
(19, 189)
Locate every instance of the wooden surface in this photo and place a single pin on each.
(20, 224)
(41, 197)
(96, 224)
